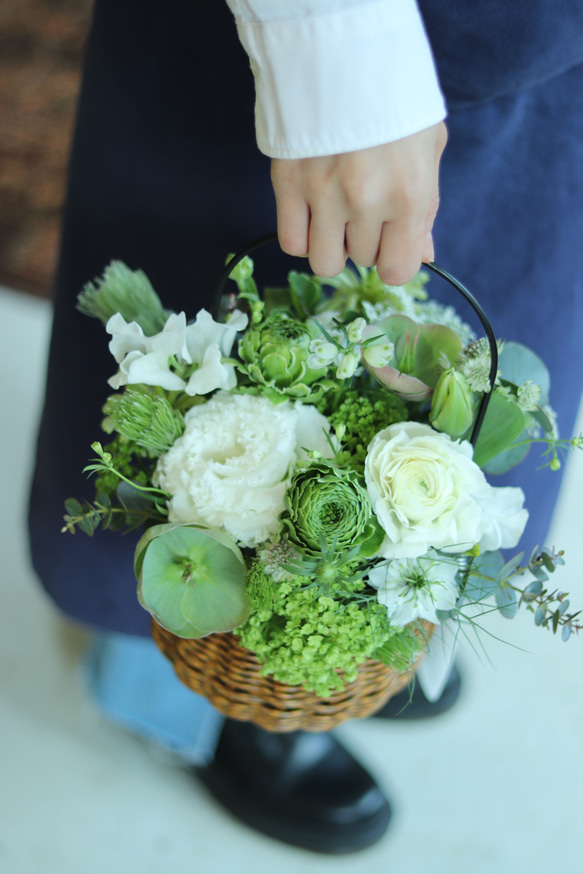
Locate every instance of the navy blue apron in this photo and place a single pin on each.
(165, 175)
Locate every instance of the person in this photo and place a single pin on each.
(165, 175)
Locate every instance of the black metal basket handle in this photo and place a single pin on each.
(435, 268)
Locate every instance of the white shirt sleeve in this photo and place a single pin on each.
(336, 76)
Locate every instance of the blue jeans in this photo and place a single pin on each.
(136, 687)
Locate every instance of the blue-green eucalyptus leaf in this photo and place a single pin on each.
(506, 601)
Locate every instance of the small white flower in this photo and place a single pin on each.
(529, 395)
(379, 354)
(322, 353)
(415, 588)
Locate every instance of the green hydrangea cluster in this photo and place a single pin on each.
(302, 637)
(363, 415)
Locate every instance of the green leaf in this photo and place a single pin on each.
(518, 364)
(483, 579)
(566, 633)
(548, 562)
(539, 616)
(305, 293)
(73, 507)
(506, 601)
(503, 423)
(510, 567)
(510, 457)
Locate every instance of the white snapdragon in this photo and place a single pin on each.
(230, 468)
(428, 492)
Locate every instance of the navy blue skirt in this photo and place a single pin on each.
(166, 176)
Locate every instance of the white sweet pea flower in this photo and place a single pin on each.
(415, 588)
(427, 492)
(144, 359)
(148, 360)
(230, 468)
(149, 369)
(208, 341)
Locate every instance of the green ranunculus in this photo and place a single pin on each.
(275, 354)
(328, 504)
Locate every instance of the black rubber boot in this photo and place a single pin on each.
(302, 788)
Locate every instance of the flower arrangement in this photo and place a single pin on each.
(305, 473)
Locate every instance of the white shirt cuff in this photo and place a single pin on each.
(341, 81)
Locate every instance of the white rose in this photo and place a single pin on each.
(427, 492)
(231, 466)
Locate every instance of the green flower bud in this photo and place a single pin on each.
(328, 505)
(452, 404)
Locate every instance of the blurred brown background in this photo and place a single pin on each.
(41, 52)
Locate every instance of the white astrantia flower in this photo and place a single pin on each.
(415, 588)
(427, 492)
(203, 345)
(230, 468)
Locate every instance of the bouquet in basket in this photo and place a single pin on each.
(308, 469)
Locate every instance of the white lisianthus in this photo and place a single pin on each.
(427, 492)
(415, 588)
(231, 466)
(148, 360)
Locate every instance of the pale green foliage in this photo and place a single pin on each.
(125, 291)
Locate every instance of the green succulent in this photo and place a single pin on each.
(327, 505)
(274, 356)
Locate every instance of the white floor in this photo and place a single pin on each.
(494, 786)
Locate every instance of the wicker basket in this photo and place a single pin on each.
(229, 675)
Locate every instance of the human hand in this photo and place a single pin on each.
(376, 206)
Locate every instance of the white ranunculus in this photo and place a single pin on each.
(148, 360)
(415, 588)
(427, 492)
(231, 466)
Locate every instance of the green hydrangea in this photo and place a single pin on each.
(363, 415)
(303, 638)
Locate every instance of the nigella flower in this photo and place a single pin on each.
(415, 588)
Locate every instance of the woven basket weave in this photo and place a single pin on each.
(229, 676)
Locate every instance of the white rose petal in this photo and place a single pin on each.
(231, 466)
(427, 492)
